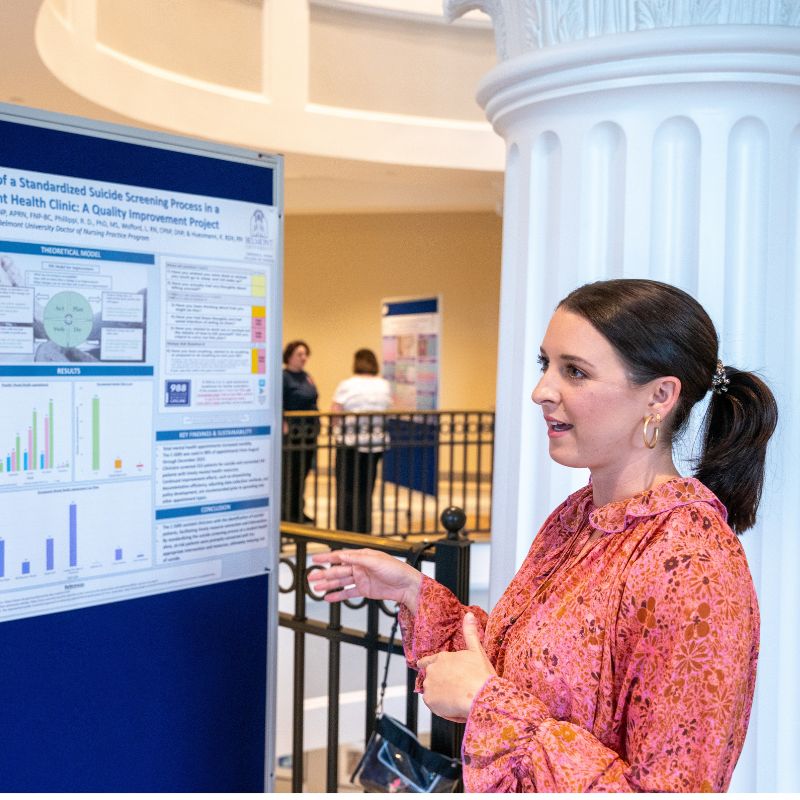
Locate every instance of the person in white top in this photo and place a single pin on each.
(360, 441)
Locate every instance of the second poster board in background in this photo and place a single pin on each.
(410, 349)
(411, 356)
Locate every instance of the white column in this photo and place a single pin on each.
(657, 139)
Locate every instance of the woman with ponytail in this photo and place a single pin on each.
(622, 657)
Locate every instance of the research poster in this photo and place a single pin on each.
(411, 336)
(136, 369)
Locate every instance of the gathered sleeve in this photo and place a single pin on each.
(512, 744)
(685, 647)
(437, 625)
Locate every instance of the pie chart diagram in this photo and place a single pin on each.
(68, 319)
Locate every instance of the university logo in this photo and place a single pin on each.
(259, 230)
(258, 223)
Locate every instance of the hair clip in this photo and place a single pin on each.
(719, 380)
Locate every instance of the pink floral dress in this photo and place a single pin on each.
(623, 664)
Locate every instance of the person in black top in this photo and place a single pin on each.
(299, 434)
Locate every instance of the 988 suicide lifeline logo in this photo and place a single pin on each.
(178, 393)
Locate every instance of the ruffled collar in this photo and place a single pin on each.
(622, 514)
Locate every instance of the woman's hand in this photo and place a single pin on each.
(453, 679)
(366, 573)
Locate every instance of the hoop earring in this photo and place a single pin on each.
(651, 441)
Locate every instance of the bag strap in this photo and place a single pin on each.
(412, 560)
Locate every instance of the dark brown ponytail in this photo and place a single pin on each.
(737, 426)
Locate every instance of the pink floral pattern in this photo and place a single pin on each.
(631, 669)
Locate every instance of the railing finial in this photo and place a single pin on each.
(453, 518)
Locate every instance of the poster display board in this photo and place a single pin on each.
(140, 326)
(410, 350)
(410, 345)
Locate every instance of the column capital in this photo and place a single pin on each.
(525, 26)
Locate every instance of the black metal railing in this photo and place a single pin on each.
(389, 473)
(450, 556)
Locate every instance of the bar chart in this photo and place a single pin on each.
(35, 433)
(57, 535)
(114, 429)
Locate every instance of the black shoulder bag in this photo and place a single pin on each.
(395, 760)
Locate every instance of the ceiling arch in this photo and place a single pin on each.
(376, 80)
